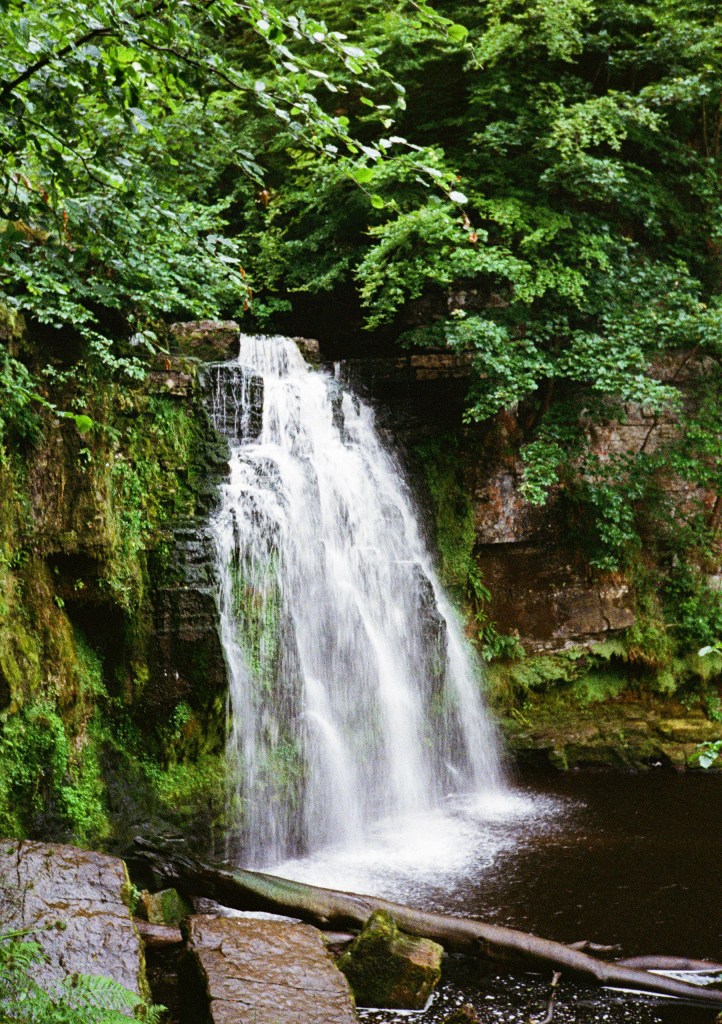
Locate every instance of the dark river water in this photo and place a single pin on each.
(633, 860)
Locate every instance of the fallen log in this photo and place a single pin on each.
(585, 946)
(336, 910)
(671, 963)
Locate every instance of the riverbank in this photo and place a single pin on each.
(625, 859)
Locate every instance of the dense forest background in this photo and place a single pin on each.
(534, 187)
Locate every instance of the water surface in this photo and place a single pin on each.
(632, 860)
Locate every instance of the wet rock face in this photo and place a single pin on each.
(209, 340)
(309, 349)
(187, 660)
(267, 972)
(389, 969)
(548, 595)
(235, 396)
(42, 884)
(540, 580)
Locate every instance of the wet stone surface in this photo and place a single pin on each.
(268, 972)
(208, 340)
(42, 884)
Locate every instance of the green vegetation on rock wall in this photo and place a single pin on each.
(455, 536)
(642, 697)
(88, 746)
(533, 187)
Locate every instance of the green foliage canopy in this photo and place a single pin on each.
(555, 184)
(127, 132)
(550, 172)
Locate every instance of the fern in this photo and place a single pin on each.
(78, 999)
(82, 991)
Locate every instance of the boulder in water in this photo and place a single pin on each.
(389, 969)
(309, 349)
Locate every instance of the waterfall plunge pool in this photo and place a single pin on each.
(628, 859)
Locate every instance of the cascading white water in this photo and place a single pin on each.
(352, 693)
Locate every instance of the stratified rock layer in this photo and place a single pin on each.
(268, 972)
(623, 732)
(75, 900)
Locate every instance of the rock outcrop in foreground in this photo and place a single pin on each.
(268, 972)
(388, 969)
(74, 904)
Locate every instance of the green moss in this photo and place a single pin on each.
(598, 685)
(190, 795)
(153, 454)
(455, 534)
(19, 650)
(386, 968)
(453, 520)
(51, 781)
(166, 907)
(257, 613)
(283, 771)
(63, 740)
(169, 775)
(49, 684)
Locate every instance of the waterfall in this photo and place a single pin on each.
(353, 695)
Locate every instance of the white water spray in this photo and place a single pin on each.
(353, 695)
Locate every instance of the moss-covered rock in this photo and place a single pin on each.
(208, 340)
(600, 707)
(165, 907)
(110, 663)
(388, 969)
(630, 729)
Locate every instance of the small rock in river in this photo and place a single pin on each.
(391, 970)
(465, 1014)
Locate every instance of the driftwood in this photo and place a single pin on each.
(553, 987)
(336, 910)
(671, 963)
(585, 946)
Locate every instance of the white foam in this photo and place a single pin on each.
(435, 849)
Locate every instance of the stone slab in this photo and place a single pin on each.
(42, 884)
(268, 972)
